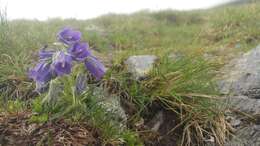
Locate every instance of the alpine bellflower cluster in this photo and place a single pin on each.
(53, 64)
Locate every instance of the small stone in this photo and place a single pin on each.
(235, 122)
(140, 65)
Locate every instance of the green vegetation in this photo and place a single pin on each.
(185, 86)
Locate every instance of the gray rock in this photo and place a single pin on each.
(245, 104)
(235, 122)
(242, 75)
(140, 65)
(241, 80)
(246, 136)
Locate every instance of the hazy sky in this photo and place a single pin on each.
(84, 9)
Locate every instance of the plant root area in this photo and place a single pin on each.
(160, 127)
(16, 130)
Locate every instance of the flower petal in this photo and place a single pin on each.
(41, 72)
(62, 64)
(79, 51)
(95, 67)
(69, 36)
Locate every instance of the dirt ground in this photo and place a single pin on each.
(16, 130)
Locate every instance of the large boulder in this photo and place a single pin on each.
(140, 65)
(242, 75)
(241, 81)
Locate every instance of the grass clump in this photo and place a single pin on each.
(186, 87)
(12, 106)
(14, 64)
(187, 74)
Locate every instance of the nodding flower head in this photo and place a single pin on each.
(79, 51)
(41, 72)
(62, 63)
(95, 67)
(53, 64)
(69, 36)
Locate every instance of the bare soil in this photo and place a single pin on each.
(16, 130)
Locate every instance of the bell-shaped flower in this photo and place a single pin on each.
(79, 51)
(69, 36)
(95, 67)
(41, 72)
(62, 63)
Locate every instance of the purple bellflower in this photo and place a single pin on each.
(95, 67)
(41, 72)
(53, 64)
(69, 36)
(62, 63)
(79, 51)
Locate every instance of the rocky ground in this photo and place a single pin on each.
(239, 85)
